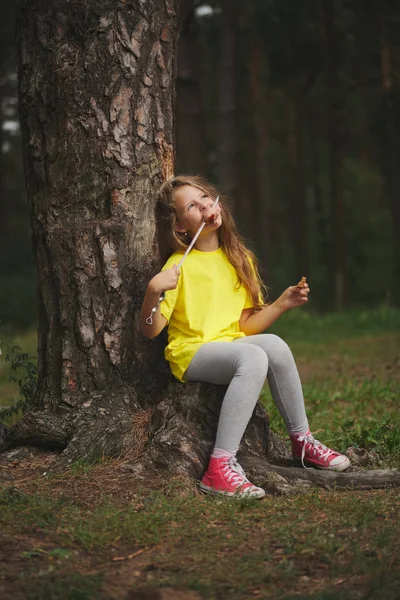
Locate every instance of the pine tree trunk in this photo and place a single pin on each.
(389, 145)
(190, 122)
(261, 192)
(227, 143)
(298, 205)
(335, 140)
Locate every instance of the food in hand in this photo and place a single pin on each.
(302, 282)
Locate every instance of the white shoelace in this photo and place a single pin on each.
(317, 449)
(234, 472)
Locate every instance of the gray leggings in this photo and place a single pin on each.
(243, 365)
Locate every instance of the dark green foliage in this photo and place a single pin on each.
(24, 373)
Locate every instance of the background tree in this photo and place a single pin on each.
(190, 122)
(17, 273)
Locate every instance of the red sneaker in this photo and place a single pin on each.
(315, 454)
(225, 476)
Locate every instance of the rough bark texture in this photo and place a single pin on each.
(96, 111)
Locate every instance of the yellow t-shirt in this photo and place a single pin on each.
(205, 306)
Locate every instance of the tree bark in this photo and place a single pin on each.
(96, 109)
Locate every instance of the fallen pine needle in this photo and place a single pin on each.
(130, 555)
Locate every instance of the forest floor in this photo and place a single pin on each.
(95, 533)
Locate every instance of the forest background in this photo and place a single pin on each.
(291, 108)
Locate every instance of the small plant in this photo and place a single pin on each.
(24, 373)
(383, 438)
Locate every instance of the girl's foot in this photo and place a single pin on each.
(225, 476)
(314, 454)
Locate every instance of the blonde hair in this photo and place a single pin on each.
(171, 241)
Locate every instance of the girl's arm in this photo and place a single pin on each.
(252, 323)
(166, 280)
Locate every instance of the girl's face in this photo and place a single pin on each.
(191, 204)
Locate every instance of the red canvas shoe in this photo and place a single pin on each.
(225, 476)
(314, 454)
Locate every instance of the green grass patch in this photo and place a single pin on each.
(303, 325)
(344, 413)
(219, 548)
(350, 368)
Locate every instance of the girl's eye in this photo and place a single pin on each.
(190, 206)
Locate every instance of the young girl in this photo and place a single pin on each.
(216, 316)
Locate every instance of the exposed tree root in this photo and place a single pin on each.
(330, 480)
(175, 436)
(42, 429)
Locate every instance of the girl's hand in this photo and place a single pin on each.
(166, 280)
(210, 214)
(294, 296)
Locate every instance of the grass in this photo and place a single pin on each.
(219, 548)
(304, 326)
(68, 537)
(350, 367)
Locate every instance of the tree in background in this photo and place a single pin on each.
(190, 123)
(17, 273)
(312, 134)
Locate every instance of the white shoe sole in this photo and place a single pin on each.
(340, 467)
(255, 493)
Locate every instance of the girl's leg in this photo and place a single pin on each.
(285, 385)
(244, 370)
(283, 379)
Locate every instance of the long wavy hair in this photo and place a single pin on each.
(171, 241)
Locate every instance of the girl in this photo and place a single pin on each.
(215, 313)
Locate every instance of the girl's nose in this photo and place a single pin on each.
(207, 203)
